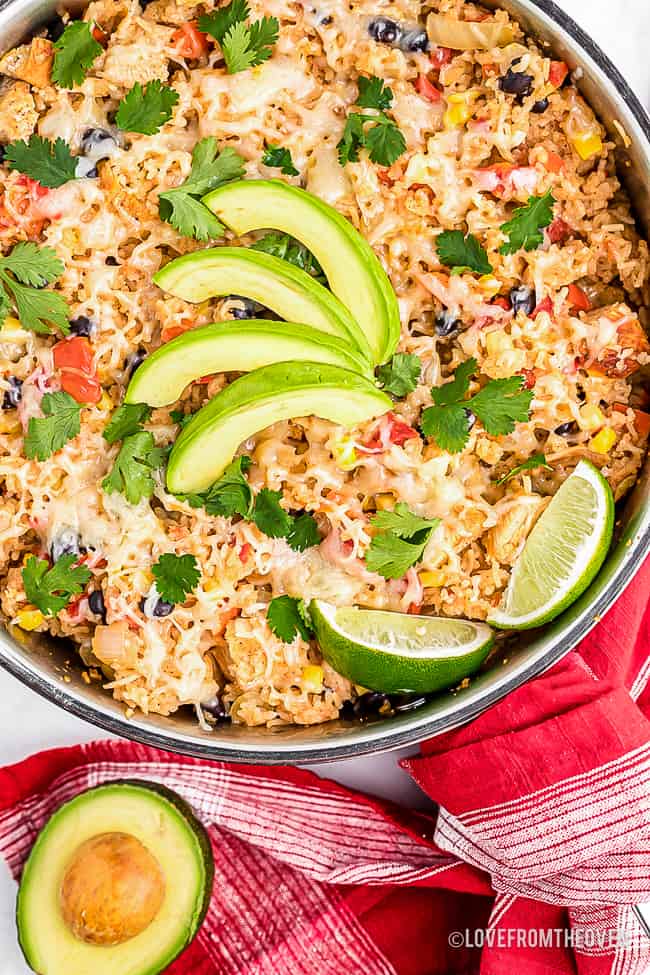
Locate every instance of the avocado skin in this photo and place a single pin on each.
(191, 822)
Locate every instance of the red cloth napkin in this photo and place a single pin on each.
(540, 847)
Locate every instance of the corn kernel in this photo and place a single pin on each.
(459, 109)
(604, 440)
(9, 422)
(344, 453)
(11, 326)
(432, 579)
(105, 404)
(591, 417)
(587, 144)
(489, 285)
(312, 679)
(498, 341)
(211, 584)
(29, 619)
(141, 580)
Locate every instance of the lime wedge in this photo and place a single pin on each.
(394, 652)
(562, 554)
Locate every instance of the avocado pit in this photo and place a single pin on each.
(112, 889)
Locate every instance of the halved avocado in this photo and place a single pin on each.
(353, 270)
(233, 347)
(289, 292)
(282, 391)
(118, 881)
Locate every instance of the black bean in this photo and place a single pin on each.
(135, 359)
(96, 603)
(516, 83)
(3, 150)
(55, 28)
(565, 429)
(112, 261)
(522, 298)
(98, 144)
(471, 419)
(384, 31)
(215, 710)
(369, 704)
(540, 107)
(162, 608)
(241, 308)
(85, 168)
(13, 395)
(82, 325)
(446, 323)
(347, 711)
(154, 606)
(414, 40)
(326, 21)
(406, 702)
(65, 542)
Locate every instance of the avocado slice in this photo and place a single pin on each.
(353, 270)
(118, 880)
(238, 346)
(287, 290)
(281, 391)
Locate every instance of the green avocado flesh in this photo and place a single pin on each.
(353, 270)
(165, 825)
(282, 391)
(289, 292)
(238, 346)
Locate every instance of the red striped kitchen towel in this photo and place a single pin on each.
(541, 845)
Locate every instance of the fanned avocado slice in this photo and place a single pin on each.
(287, 290)
(282, 391)
(239, 346)
(118, 881)
(353, 270)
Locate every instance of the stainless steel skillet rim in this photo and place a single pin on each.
(339, 742)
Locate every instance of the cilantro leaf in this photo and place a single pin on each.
(400, 376)
(247, 45)
(219, 22)
(401, 541)
(373, 93)
(501, 404)
(462, 252)
(269, 516)
(231, 494)
(132, 470)
(524, 230)
(291, 250)
(210, 168)
(23, 273)
(303, 533)
(33, 265)
(279, 158)
(51, 589)
(384, 141)
(126, 420)
(49, 433)
(177, 416)
(35, 308)
(287, 618)
(50, 163)
(456, 389)
(176, 576)
(447, 425)
(353, 139)
(145, 110)
(537, 460)
(74, 53)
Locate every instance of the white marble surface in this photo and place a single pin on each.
(28, 723)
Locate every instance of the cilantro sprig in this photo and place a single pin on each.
(49, 163)
(400, 541)
(401, 374)
(176, 576)
(24, 272)
(230, 495)
(524, 230)
(289, 249)
(132, 472)
(126, 420)
(288, 618)
(61, 422)
(74, 53)
(498, 405)
(537, 460)
(462, 252)
(145, 110)
(378, 133)
(243, 45)
(50, 589)
(181, 206)
(279, 157)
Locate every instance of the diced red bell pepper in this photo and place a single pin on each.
(530, 378)
(578, 299)
(100, 35)
(553, 163)
(424, 87)
(502, 302)
(82, 388)
(557, 73)
(641, 419)
(440, 56)
(545, 305)
(189, 42)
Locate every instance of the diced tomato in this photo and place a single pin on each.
(100, 36)
(545, 305)
(641, 419)
(74, 353)
(83, 388)
(578, 299)
(400, 432)
(530, 378)
(189, 42)
(501, 302)
(172, 331)
(553, 163)
(489, 70)
(557, 73)
(245, 551)
(440, 56)
(36, 191)
(415, 609)
(559, 231)
(424, 87)
(389, 430)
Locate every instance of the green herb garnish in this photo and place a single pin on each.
(537, 460)
(51, 589)
(524, 230)
(50, 163)
(176, 576)
(74, 53)
(378, 133)
(145, 110)
(126, 420)
(24, 272)
(132, 473)
(401, 374)
(288, 618)
(243, 45)
(462, 252)
(279, 158)
(49, 433)
(400, 542)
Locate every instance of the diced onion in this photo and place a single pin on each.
(465, 35)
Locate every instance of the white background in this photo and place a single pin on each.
(28, 723)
